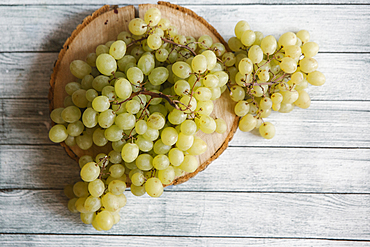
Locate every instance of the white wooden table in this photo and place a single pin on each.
(309, 186)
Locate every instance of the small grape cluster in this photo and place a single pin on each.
(268, 74)
(148, 93)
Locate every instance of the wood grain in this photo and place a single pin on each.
(27, 121)
(30, 73)
(199, 214)
(261, 170)
(96, 240)
(336, 28)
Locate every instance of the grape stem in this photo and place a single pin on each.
(182, 46)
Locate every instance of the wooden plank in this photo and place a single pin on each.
(266, 170)
(137, 241)
(184, 2)
(46, 27)
(279, 215)
(27, 75)
(324, 124)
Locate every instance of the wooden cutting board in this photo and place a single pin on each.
(104, 25)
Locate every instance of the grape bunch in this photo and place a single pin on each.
(147, 94)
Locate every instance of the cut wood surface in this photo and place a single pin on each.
(306, 187)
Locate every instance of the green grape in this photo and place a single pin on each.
(276, 98)
(91, 94)
(267, 130)
(80, 189)
(156, 121)
(229, 59)
(176, 117)
(122, 200)
(92, 204)
(205, 107)
(289, 97)
(235, 44)
(202, 94)
(154, 41)
(287, 39)
(79, 68)
(144, 144)
(199, 146)
(117, 187)
(58, 133)
(237, 93)
(310, 49)
(96, 188)
(71, 114)
(137, 179)
(169, 135)
(91, 58)
(159, 32)
(207, 124)
(71, 205)
(239, 57)
(123, 88)
(56, 115)
(125, 121)
(117, 170)
(84, 160)
(90, 117)
(79, 98)
(288, 65)
(75, 129)
(265, 103)
(303, 35)
(101, 49)
(221, 126)
(184, 142)
(137, 190)
(241, 108)
(167, 175)
(100, 82)
(247, 123)
(182, 87)
(141, 127)
(188, 127)
(90, 172)
(293, 51)
(163, 24)
(158, 76)
(248, 37)
(106, 118)
(71, 87)
(105, 220)
(210, 81)
(87, 218)
(70, 141)
(255, 54)
(316, 78)
(161, 162)
(124, 61)
(190, 163)
(269, 45)
(161, 54)
(118, 49)
(144, 162)
(161, 148)
(101, 103)
(240, 27)
(211, 59)
(109, 92)
(110, 202)
(115, 157)
(113, 133)
(137, 26)
(308, 65)
(133, 106)
(153, 187)
(146, 63)
(152, 16)
(130, 151)
(106, 64)
(223, 77)
(259, 37)
(218, 48)
(80, 205)
(181, 69)
(86, 82)
(118, 145)
(125, 36)
(175, 156)
(151, 134)
(135, 75)
(304, 100)
(205, 42)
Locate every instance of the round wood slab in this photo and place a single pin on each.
(104, 25)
